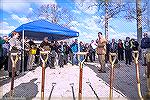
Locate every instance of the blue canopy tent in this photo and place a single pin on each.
(41, 28)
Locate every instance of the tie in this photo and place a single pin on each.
(112, 45)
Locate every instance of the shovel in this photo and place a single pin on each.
(112, 59)
(14, 61)
(135, 55)
(43, 53)
(81, 73)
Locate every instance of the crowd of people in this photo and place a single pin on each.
(62, 52)
(123, 49)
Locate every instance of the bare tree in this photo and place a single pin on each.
(148, 16)
(54, 13)
(111, 10)
(139, 14)
(106, 19)
(133, 11)
(139, 19)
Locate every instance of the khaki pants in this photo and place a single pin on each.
(31, 60)
(148, 70)
(101, 59)
(143, 56)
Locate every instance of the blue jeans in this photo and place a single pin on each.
(75, 59)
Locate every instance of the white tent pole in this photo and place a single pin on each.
(23, 52)
(78, 45)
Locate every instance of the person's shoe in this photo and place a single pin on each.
(53, 68)
(16, 74)
(101, 71)
(61, 66)
(10, 74)
(144, 65)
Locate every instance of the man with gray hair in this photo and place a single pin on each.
(45, 46)
(145, 45)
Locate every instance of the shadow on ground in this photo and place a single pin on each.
(4, 78)
(24, 90)
(125, 79)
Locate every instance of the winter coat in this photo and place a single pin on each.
(6, 47)
(15, 43)
(127, 45)
(101, 47)
(45, 45)
(135, 45)
(74, 47)
(145, 43)
(15, 47)
(113, 47)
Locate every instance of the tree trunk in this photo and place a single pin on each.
(139, 20)
(139, 25)
(148, 16)
(106, 19)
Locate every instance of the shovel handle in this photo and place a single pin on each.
(112, 61)
(110, 58)
(16, 59)
(13, 70)
(43, 71)
(81, 73)
(135, 55)
(44, 53)
(43, 82)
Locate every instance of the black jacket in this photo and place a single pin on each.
(135, 46)
(145, 43)
(114, 48)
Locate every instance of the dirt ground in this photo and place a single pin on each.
(63, 83)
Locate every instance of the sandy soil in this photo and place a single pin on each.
(63, 83)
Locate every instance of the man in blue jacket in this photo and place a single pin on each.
(1, 52)
(74, 48)
(145, 45)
